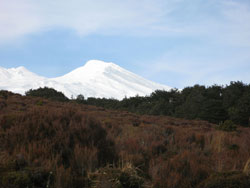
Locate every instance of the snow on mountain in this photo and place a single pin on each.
(19, 79)
(94, 79)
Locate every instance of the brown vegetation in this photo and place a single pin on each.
(56, 144)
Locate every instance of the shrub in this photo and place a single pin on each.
(4, 94)
(234, 147)
(226, 179)
(227, 125)
(48, 93)
(27, 177)
(126, 177)
(80, 99)
(247, 168)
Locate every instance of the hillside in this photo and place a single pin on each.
(65, 144)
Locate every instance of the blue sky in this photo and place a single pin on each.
(174, 42)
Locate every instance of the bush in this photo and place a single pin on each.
(126, 177)
(226, 179)
(4, 94)
(25, 178)
(234, 147)
(48, 93)
(80, 99)
(227, 125)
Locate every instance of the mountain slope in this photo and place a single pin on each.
(94, 79)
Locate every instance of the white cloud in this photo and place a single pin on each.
(20, 17)
(16, 19)
(221, 21)
(237, 29)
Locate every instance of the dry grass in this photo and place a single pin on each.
(73, 141)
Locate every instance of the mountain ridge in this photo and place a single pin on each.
(94, 79)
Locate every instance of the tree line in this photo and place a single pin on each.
(214, 103)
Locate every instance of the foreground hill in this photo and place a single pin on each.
(94, 79)
(64, 144)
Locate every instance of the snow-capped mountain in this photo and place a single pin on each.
(19, 79)
(94, 79)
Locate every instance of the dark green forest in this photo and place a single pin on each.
(215, 103)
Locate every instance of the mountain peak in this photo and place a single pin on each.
(21, 68)
(97, 64)
(92, 70)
